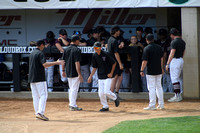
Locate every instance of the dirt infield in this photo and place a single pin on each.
(18, 115)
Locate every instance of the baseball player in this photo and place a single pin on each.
(175, 61)
(36, 78)
(62, 41)
(164, 42)
(105, 64)
(49, 72)
(85, 68)
(72, 57)
(153, 59)
(113, 49)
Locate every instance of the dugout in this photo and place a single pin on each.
(22, 21)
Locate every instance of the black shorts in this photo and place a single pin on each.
(117, 70)
(120, 72)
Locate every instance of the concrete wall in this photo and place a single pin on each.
(191, 34)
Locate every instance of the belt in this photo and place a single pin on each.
(47, 58)
(178, 57)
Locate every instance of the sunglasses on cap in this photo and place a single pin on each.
(77, 33)
(97, 48)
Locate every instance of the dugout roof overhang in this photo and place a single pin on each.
(87, 4)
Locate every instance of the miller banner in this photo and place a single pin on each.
(19, 27)
(71, 4)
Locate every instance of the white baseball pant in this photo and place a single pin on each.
(155, 89)
(39, 94)
(104, 91)
(73, 90)
(176, 67)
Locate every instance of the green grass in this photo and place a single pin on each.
(187, 124)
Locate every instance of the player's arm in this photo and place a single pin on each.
(162, 64)
(59, 47)
(82, 44)
(78, 69)
(65, 42)
(94, 68)
(112, 70)
(58, 62)
(144, 64)
(121, 45)
(91, 75)
(45, 64)
(63, 70)
(119, 60)
(77, 58)
(63, 66)
(171, 56)
(183, 53)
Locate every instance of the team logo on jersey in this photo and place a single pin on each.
(178, 1)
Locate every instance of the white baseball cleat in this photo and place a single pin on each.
(150, 108)
(160, 107)
(176, 99)
(180, 97)
(172, 98)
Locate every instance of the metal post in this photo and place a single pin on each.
(135, 65)
(16, 72)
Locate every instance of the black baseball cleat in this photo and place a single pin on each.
(42, 117)
(104, 109)
(75, 108)
(117, 102)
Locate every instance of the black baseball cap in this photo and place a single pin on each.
(89, 32)
(63, 32)
(115, 28)
(40, 42)
(139, 29)
(148, 30)
(95, 31)
(162, 32)
(75, 38)
(150, 37)
(174, 31)
(50, 36)
(97, 44)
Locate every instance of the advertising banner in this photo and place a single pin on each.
(74, 4)
(19, 27)
(179, 3)
(85, 4)
(43, 4)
